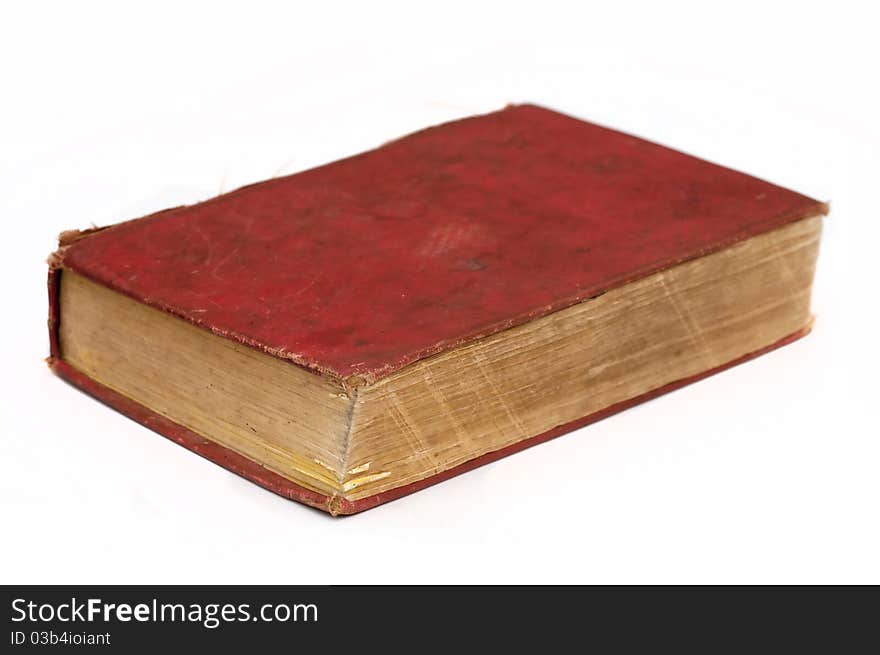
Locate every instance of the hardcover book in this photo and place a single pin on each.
(355, 332)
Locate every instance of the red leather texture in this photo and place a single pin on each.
(360, 267)
(252, 471)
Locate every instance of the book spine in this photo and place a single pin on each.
(53, 285)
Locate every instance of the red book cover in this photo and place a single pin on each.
(364, 266)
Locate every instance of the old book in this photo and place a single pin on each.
(355, 332)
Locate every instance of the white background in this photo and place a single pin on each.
(765, 473)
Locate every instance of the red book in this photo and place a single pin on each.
(459, 293)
